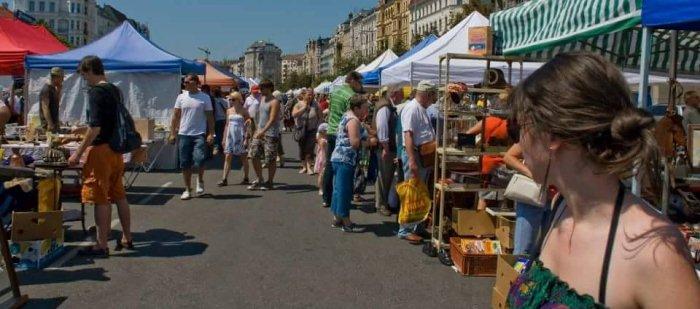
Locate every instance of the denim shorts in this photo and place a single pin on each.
(192, 150)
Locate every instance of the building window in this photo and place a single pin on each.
(52, 24)
(77, 8)
(72, 25)
(52, 7)
(42, 6)
(31, 6)
(72, 7)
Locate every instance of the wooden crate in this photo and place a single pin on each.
(499, 300)
(477, 265)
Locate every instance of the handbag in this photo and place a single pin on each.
(300, 128)
(500, 177)
(525, 190)
(427, 154)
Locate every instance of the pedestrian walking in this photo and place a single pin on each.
(266, 138)
(220, 113)
(103, 168)
(306, 116)
(192, 127)
(235, 138)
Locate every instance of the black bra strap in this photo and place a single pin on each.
(611, 241)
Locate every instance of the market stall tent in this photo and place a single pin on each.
(372, 77)
(218, 77)
(148, 76)
(18, 39)
(385, 58)
(540, 29)
(424, 64)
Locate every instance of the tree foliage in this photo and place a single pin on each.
(481, 6)
(60, 38)
(399, 47)
(297, 80)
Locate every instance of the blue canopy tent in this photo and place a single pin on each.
(682, 18)
(373, 77)
(148, 76)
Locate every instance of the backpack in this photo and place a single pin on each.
(124, 138)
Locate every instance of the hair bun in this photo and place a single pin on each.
(629, 125)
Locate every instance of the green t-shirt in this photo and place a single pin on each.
(340, 100)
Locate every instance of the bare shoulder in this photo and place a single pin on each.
(650, 235)
(656, 252)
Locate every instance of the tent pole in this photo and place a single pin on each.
(671, 103)
(643, 90)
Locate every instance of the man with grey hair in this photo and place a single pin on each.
(385, 121)
(417, 131)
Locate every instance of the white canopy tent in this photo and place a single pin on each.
(361, 67)
(424, 65)
(323, 87)
(385, 58)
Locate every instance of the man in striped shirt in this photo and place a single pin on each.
(340, 98)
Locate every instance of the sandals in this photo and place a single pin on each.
(94, 252)
(129, 245)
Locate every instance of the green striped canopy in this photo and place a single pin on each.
(540, 29)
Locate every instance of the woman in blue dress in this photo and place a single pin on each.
(235, 135)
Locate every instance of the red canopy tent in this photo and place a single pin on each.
(18, 39)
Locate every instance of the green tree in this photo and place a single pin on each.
(399, 47)
(481, 6)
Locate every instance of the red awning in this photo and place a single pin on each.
(18, 39)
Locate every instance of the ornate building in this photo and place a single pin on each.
(393, 22)
(292, 63)
(263, 60)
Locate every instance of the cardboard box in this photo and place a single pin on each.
(37, 254)
(467, 222)
(146, 127)
(505, 272)
(32, 226)
(480, 41)
(499, 300)
(505, 232)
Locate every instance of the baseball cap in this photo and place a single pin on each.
(56, 71)
(255, 89)
(426, 86)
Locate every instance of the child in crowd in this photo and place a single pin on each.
(320, 163)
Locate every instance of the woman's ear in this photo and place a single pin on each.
(555, 143)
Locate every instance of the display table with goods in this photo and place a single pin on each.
(459, 180)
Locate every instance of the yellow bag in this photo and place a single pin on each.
(415, 201)
(49, 193)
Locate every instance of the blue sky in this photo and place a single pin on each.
(227, 28)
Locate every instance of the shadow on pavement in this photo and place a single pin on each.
(385, 229)
(44, 302)
(44, 276)
(147, 189)
(163, 243)
(296, 188)
(150, 199)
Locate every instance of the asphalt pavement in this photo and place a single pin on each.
(235, 248)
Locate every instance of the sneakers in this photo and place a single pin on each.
(255, 185)
(352, 228)
(200, 189)
(384, 211)
(222, 183)
(336, 224)
(185, 195)
(266, 186)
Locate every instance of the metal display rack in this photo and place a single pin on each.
(443, 152)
